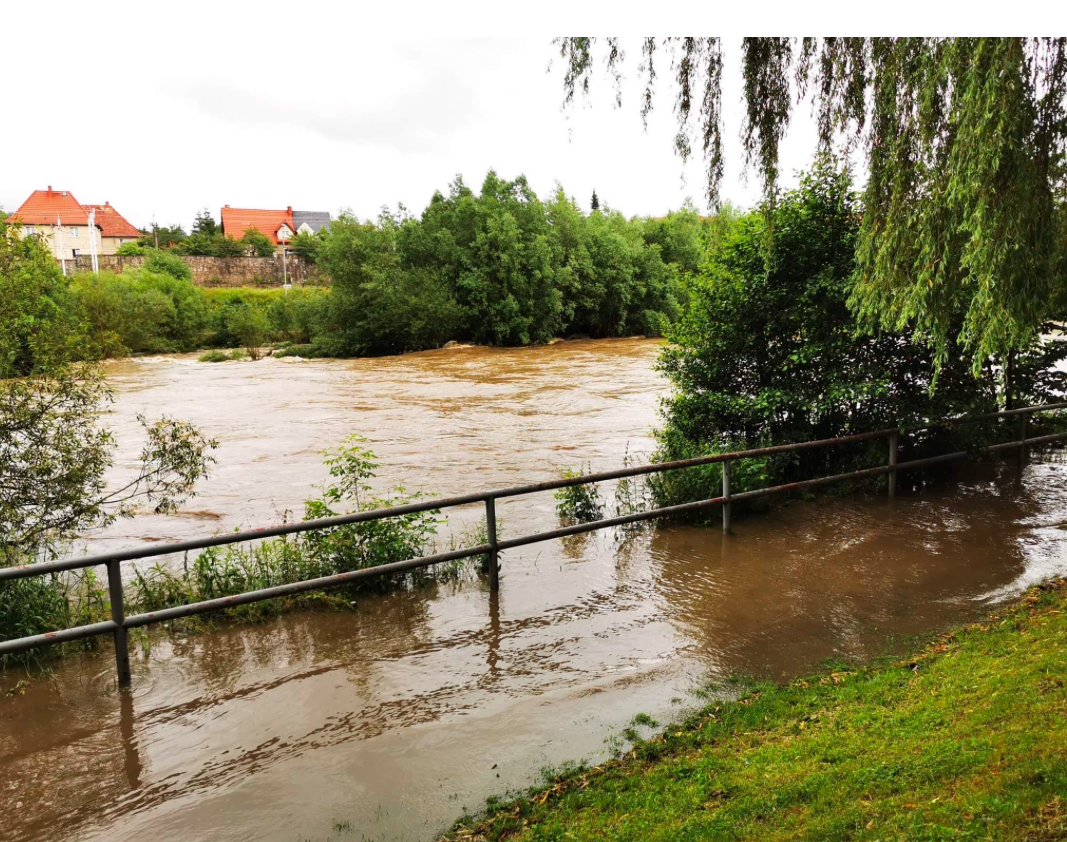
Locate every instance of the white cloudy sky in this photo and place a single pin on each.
(164, 112)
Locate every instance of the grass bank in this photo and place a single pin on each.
(965, 739)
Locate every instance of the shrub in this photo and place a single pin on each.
(248, 325)
(130, 250)
(256, 243)
(165, 263)
(139, 311)
(579, 503)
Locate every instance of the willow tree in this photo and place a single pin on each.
(963, 235)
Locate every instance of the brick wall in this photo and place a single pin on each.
(221, 271)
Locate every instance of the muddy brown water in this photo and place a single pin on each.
(401, 714)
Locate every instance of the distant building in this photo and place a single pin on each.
(45, 210)
(279, 225)
(114, 229)
(310, 222)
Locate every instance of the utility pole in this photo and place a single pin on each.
(58, 239)
(92, 241)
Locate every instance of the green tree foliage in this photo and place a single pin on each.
(964, 232)
(768, 352)
(256, 243)
(140, 310)
(306, 245)
(37, 326)
(162, 263)
(131, 250)
(205, 224)
(594, 204)
(376, 306)
(54, 459)
(162, 237)
(502, 267)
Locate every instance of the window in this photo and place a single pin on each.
(30, 230)
(73, 233)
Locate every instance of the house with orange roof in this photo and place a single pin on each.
(276, 224)
(114, 228)
(63, 223)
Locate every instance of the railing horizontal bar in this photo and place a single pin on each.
(132, 554)
(321, 583)
(808, 483)
(327, 582)
(592, 526)
(989, 416)
(1043, 439)
(657, 467)
(20, 644)
(232, 538)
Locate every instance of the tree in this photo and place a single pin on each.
(376, 306)
(306, 246)
(594, 204)
(205, 224)
(256, 243)
(54, 459)
(54, 456)
(162, 237)
(38, 326)
(768, 352)
(964, 218)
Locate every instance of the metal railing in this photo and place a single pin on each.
(120, 623)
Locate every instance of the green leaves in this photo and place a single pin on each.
(963, 236)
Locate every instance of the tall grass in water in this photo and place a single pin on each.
(37, 605)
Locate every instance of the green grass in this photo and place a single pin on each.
(217, 356)
(964, 740)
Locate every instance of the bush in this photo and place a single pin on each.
(130, 250)
(165, 263)
(216, 356)
(249, 326)
(257, 243)
(139, 311)
(579, 503)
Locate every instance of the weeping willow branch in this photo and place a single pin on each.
(963, 234)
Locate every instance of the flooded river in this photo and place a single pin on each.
(399, 715)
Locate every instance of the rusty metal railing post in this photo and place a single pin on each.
(1022, 440)
(490, 539)
(118, 616)
(726, 471)
(893, 439)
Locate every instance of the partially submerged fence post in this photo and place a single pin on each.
(118, 616)
(1022, 441)
(893, 437)
(490, 537)
(726, 496)
(119, 624)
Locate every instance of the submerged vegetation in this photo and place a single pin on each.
(37, 605)
(963, 739)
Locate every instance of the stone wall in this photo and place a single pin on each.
(221, 271)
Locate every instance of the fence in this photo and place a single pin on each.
(119, 623)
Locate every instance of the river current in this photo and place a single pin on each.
(400, 714)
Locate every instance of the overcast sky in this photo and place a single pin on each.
(163, 116)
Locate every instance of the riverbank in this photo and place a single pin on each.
(965, 739)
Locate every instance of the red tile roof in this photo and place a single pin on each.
(235, 221)
(44, 206)
(111, 222)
